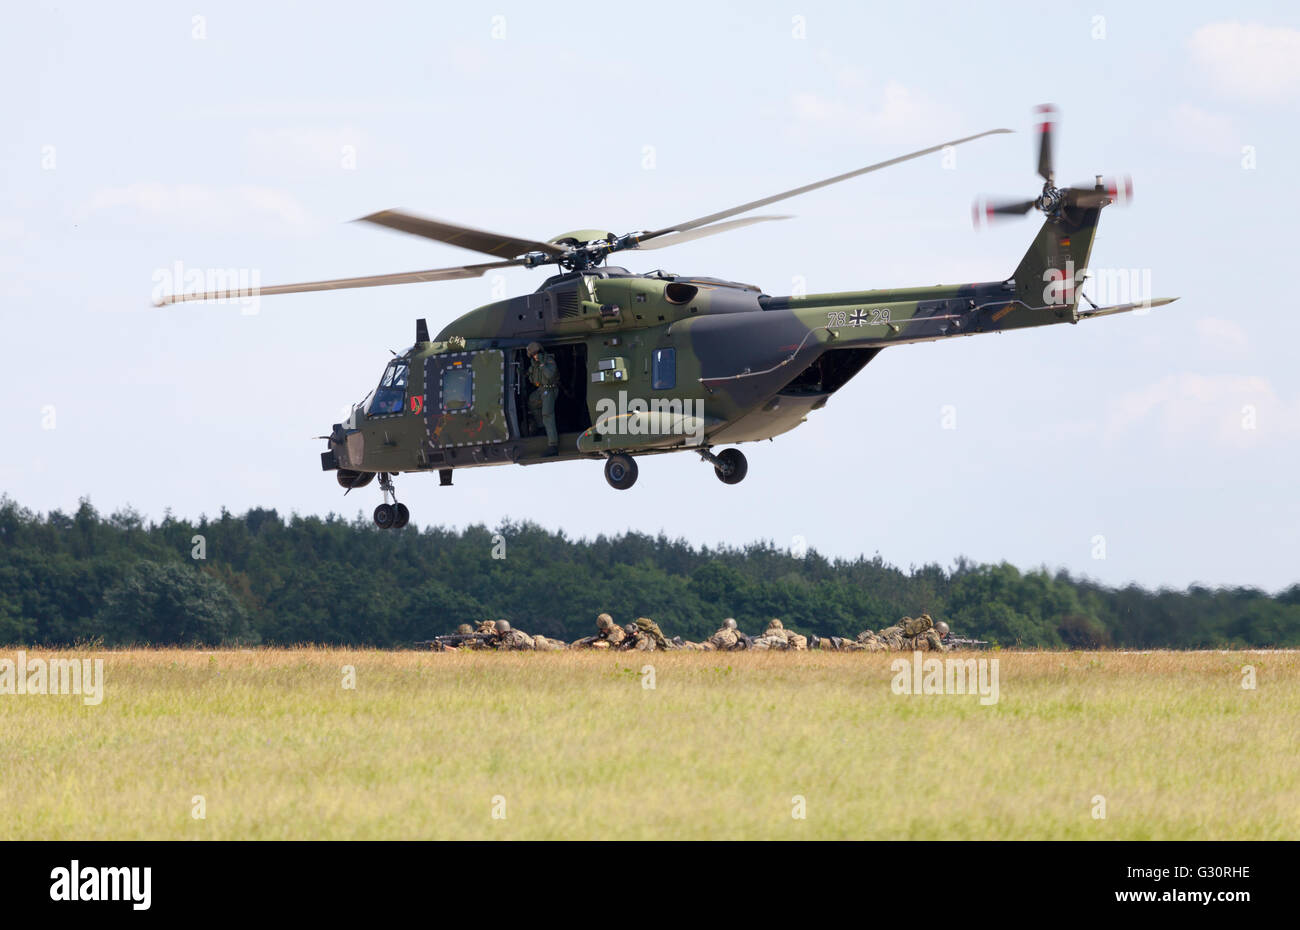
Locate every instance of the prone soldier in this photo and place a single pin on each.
(776, 636)
(727, 638)
(609, 635)
(548, 644)
(510, 639)
(646, 635)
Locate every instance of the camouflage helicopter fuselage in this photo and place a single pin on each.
(654, 363)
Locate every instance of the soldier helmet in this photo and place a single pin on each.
(941, 628)
(729, 623)
(534, 348)
(503, 626)
(464, 628)
(487, 626)
(775, 624)
(604, 621)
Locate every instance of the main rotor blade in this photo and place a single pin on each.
(378, 280)
(663, 242)
(1047, 116)
(464, 236)
(746, 207)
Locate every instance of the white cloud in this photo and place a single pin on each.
(207, 206)
(1249, 61)
(1233, 410)
(1200, 130)
(1224, 336)
(896, 110)
(316, 148)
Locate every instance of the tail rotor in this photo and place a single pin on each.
(1053, 201)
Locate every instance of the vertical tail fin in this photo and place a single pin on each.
(1052, 270)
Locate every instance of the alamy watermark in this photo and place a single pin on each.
(241, 286)
(657, 416)
(946, 676)
(22, 676)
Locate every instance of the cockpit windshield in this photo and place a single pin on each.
(390, 396)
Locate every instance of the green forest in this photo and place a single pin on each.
(261, 578)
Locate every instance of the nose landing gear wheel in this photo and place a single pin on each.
(731, 466)
(620, 471)
(390, 516)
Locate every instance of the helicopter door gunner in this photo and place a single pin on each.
(544, 376)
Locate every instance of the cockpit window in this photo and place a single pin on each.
(390, 397)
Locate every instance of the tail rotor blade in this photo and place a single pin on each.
(989, 211)
(1118, 191)
(1046, 119)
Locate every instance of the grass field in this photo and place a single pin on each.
(427, 745)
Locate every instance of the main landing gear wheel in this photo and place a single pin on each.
(731, 466)
(388, 516)
(620, 471)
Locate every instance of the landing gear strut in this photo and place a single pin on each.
(620, 471)
(730, 465)
(392, 516)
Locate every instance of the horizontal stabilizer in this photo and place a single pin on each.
(1125, 308)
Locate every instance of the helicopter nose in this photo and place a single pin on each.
(346, 447)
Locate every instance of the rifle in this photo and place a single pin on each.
(961, 642)
(452, 640)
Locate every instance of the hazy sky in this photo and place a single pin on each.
(245, 135)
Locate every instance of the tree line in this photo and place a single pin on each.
(260, 578)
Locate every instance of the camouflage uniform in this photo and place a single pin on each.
(871, 642)
(648, 636)
(908, 635)
(923, 636)
(513, 640)
(893, 636)
(609, 635)
(776, 636)
(840, 644)
(725, 639)
(483, 626)
(547, 644)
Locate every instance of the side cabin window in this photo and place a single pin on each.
(390, 396)
(663, 374)
(457, 388)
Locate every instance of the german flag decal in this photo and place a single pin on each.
(1065, 242)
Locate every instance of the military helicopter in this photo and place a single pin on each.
(656, 362)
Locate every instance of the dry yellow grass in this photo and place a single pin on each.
(579, 749)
